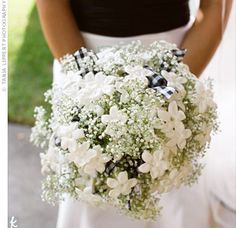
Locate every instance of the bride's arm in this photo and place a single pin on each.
(59, 26)
(206, 33)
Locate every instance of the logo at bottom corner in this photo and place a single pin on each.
(13, 222)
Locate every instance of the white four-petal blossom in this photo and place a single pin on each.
(121, 185)
(115, 115)
(137, 73)
(174, 80)
(69, 134)
(82, 155)
(173, 114)
(94, 86)
(173, 126)
(124, 97)
(97, 163)
(178, 136)
(154, 164)
(91, 160)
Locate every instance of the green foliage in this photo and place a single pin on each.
(30, 62)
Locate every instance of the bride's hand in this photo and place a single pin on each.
(206, 33)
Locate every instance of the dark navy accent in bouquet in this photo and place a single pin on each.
(159, 83)
(72, 62)
(179, 53)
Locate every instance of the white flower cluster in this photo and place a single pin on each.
(114, 137)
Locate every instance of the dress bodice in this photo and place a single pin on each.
(130, 17)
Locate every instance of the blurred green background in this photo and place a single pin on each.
(30, 62)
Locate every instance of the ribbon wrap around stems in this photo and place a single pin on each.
(159, 83)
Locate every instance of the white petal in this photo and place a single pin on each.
(112, 183)
(122, 177)
(181, 115)
(114, 110)
(70, 157)
(88, 169)
(144, 168)
(179, 126)
(132, 182)
(173, 108)
(181, 105)
(182, 80)
(63, 131)
(187, 133)
(171, 143)
(105, 119)
(124, 98)
(72, 145)
(147, 157)
(182, 144)
(64, 143)
(157, 156)
(84, 147)
(86, 157)
(77, 134)
(98, 149)
(89, 77)
(123, 118)
(90, 154)
(173, 149)
(105, 158)
(114, 193)
(170, 133)
(164, 165)
(154, 173)
(163, 115)
(109, 79)
(108, 90)
(125, 190)
(100, 77)
(100, 167)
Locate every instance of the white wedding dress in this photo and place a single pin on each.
(183, 208)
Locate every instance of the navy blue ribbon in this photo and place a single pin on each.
(159, 83)
(179, 53)
(70, 62)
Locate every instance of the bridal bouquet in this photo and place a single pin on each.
(125, 125)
